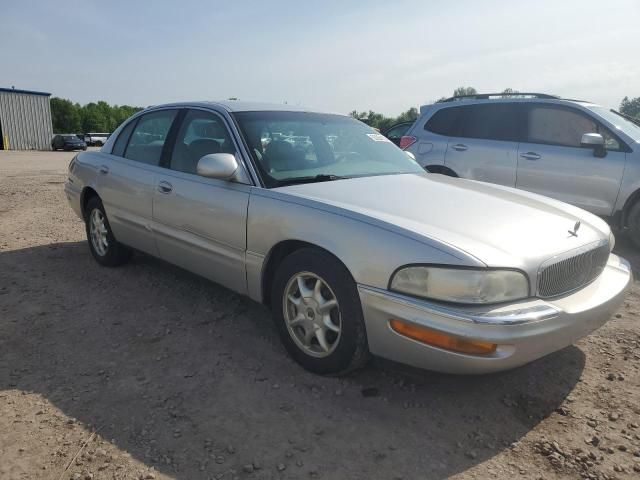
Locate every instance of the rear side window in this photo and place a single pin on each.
(444, 122)
(123, 138)
(148, 137)
(490, 122)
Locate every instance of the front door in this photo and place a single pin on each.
(552, 162)
(200, 223)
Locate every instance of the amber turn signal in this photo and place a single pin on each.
(442, 340)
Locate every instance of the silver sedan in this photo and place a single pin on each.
(355, 248)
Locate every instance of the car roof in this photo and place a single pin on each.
(243, 106)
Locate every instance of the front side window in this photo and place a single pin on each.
(200, 134)
(558, 126)
(302, 147)
(148, 137)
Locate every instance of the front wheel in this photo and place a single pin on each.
(317, 310)
(104, 247)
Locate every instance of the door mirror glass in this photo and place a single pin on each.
(222, 166)
(595, 141)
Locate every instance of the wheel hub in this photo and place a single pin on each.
(312, 314)
(98, 232)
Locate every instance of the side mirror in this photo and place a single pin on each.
(596, 142)
(222, 166)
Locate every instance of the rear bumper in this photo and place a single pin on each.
(524, 331)
(73, 197)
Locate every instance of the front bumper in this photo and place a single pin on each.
(524, 331)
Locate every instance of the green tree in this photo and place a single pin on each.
(460, 91)
(68, 117)
(65, 116)
(379, 121)
(631, 107)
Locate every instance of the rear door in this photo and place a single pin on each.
(552, 162)
(485, 143)
(200, 222)
(126, 178)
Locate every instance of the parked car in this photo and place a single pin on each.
(575, 151)
(67, 142)
(355, 248)
(397, 131)
(96, 139)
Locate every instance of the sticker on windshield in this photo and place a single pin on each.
(377, 137)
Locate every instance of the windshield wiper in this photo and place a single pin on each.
(323, 177)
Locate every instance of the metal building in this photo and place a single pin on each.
(25, 120)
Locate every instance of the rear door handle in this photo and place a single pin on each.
(103, 169)
(530, 156)
(165, 187)
(459, 147)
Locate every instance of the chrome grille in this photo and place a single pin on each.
(558, 276)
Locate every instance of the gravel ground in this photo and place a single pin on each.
(147, 371)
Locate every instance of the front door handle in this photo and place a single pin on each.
(103, 169)
(165, 187)
(530, 156)
(459, 147)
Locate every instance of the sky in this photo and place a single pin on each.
(337, 56)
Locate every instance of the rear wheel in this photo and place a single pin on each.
(317, 310)
(103, 245)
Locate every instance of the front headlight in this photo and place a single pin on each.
(461, 285)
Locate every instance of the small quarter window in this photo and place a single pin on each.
(121, 142)
(444, 122)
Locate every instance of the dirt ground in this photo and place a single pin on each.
(147, 371)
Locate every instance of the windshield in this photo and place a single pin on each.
(71, 137)
(298, 147)
(618, 120)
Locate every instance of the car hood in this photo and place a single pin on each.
(500, 226)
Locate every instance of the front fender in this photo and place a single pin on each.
(371, 250)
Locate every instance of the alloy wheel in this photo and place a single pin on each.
(312, 314)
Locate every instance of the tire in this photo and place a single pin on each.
(633, 224)
(348, 349)
(105, 249)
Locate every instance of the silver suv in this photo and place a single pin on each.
(571, 150)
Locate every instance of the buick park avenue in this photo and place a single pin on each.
(355, 248)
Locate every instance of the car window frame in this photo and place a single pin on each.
(455, 130)
(166, 141)
(624, 148)
(177, 126)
